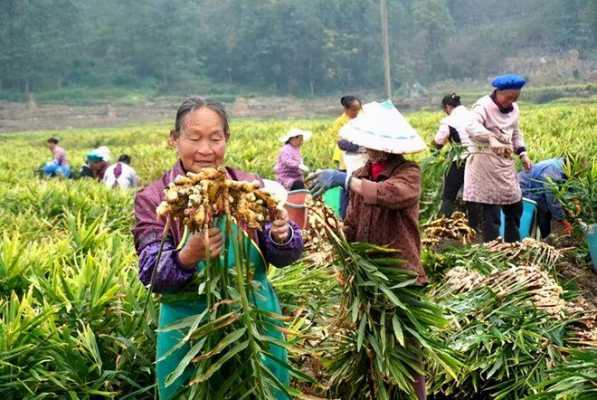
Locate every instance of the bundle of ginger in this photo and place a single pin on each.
(197, 198)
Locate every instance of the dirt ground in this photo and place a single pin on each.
(17, 117)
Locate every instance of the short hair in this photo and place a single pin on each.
(125, 158)
(193, 103)
(53, 140)
(347, 101)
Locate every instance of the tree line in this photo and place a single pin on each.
(306, 47)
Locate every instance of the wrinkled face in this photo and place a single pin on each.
(296, 141)
(377, 156)
(202, 141)
(353, 110)
(506, 97)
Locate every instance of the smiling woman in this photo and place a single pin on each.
(200, 138)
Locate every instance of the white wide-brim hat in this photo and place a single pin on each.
(381, 127)
(294, 132)
(277, 191)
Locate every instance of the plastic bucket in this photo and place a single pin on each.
(295, 206)
(331, 198)
(592, 242)
(528, 219)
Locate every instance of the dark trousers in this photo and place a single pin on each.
(544, 222)
(344, 198)
(485, 219)
(453, 181)
(297, 185)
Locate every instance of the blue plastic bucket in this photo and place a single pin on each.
(592, 242)
(528, 219)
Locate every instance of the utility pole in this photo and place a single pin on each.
(386, 48)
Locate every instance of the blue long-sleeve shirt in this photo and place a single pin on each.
(534, 185)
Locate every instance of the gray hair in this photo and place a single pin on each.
(193, 103)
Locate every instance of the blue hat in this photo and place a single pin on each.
(508, 81)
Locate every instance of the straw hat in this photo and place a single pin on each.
(381, 127)
(294, 132)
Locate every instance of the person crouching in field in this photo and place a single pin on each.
(290, 168)
(59, 165)
(384, 194)
(535, 185)
(121, 175)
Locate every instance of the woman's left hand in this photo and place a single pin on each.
(280, 227)
(526, 162)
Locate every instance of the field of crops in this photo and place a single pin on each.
(72, 317)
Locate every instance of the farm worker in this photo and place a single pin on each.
(290, 167)
(453, 129)
(59, 164)
(98, 162)
(121, 174)
(200, 137)
(535, 186)
(384, 193)
(490, 179)
(348, 157)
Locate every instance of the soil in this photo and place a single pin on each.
(18, 117)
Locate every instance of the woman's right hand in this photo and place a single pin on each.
(198, 247)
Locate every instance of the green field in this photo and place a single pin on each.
(71, 304)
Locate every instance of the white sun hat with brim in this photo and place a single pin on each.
(277, 191)
(381, 127)
(294, 132)
(105, 153)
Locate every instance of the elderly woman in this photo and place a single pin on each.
(490, 179)
(200, 137)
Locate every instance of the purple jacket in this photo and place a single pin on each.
(287, 168)
(148, 230)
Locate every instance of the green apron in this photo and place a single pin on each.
(171, 313)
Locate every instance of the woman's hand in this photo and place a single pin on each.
(526, 161)
(281, 228)
(198, 247)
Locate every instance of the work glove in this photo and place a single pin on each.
(325, 179)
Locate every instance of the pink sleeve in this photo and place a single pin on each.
(476, 129)
(517, 139)
(59, 155)
(442, 135)
(288, 159)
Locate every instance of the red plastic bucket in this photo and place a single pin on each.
(295, 206)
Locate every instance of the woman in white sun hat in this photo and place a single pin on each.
(290, 168)
(383, 208)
